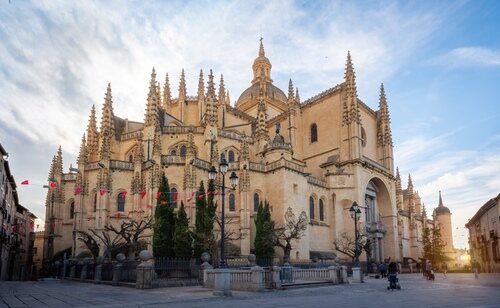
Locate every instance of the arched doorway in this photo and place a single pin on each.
(378, 209)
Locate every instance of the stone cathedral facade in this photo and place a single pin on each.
(317, 156)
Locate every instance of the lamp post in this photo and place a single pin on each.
(212, 174)
(355, 214)
(75, 213)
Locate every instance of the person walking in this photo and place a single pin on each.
(445, 269)
(382, 269)
(428, 269)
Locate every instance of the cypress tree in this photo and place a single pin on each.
(164, 225)
(264, 234)
(205, 218)
(183, 237)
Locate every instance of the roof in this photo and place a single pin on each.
(488, 205)
(441, 210)
(252, 93)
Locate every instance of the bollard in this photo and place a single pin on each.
(257, 279)
(145, 270)
(117, 269)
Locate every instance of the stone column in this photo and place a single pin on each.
(276, 277)
(145, 271)
(205, 266)
(343, 268)
(332, 270)
(357, 276)
(72, 271)
(117, 269)
(222, 283)
(98, 269)
(257, 279)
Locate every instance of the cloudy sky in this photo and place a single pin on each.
(440, 64)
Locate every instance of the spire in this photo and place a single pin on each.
(153, 102)
(261, 131)
(261, 67)
(182, 87)
(167, 95)
(157, 143)
(201, 87)
(297, 97)
(52, 169)
(290, 91)
(440, 200)
(92, 136)
(384, 135)
(410, 184)
(424, 212)
(398, 181)
(107, 117)
(228, 98)
(261, 48)
(245, 151)
(350, 108)
(58, 168)
(222, 91)
(82, 155)
(211, 116)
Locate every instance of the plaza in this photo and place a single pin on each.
(460, 290)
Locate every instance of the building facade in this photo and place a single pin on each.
(484, 230)
(16, 235)
(318, 156)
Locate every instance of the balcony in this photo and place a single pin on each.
(375, 227)
(121, 165)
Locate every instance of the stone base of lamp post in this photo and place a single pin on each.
(357, 275)
(222, 283)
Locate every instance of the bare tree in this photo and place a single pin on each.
(132, 233)
(293, 229)
(112, 244)
(346, 244)
(90, 242)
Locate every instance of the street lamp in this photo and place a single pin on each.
(212, 174)
(355, 214)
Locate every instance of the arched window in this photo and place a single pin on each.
(183, 151)
(95, 202)
(230, 156)
(232, 206)
(173, 197)
(173, 152)
(222, 156)
(256, 202)
(72, 210)
(130, 158)
(120, 202)
(321, 210)
(314, 132)
(311, 207)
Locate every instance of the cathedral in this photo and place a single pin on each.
(318, 156)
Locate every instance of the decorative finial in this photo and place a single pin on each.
(278, 128)
(261, 48)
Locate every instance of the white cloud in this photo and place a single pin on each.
(468, 57)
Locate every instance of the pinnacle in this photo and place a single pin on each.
(261, 49)
(290, 90)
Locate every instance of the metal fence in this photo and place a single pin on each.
(107, 271)
(128, 271)
(177, 271)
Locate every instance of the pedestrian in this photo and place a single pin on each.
(382, 269)
(445, 269)
(475, 269)
(418, 267)
(428, 269)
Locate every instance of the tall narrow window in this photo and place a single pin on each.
(321, 210)
(173, 197)
(183, 151)
(72, 210)
(256, 202)
(231, 156)
(173, 153)
(222, 156)
(120, 202)
(314, 132)
(311, 208)
(232, 206)
(131, 158)
(95, 202)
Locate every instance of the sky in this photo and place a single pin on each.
(439, 62)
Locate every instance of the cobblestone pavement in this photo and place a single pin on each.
(458, 290)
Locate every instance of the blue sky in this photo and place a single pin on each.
(439, 62)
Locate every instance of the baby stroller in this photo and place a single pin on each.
(430, 275)
(393, 282)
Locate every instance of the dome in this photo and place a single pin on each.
(441, 210)
(252, 93)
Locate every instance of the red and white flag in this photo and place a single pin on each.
(25, 182)
(143, 194)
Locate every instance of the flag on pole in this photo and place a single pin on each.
(201, 196)
(143, 194)
(78, 190)
(25, 182)
(158, 195)
(103, 191)
(52, 184)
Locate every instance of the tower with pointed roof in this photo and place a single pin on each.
(442, 218)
